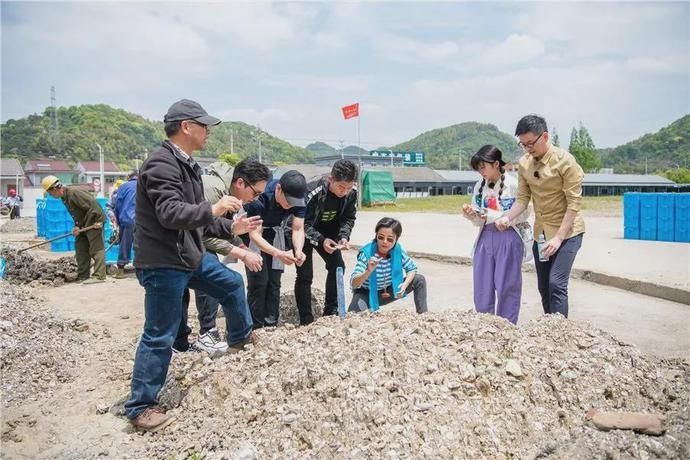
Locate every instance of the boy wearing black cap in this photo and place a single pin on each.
(281, 199)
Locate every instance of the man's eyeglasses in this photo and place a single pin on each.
(206, 127)
(530, 145)
(254, 191)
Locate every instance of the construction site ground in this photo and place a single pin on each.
(75, 420)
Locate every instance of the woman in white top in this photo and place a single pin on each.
(497, 255)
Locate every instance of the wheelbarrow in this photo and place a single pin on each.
(3, 261)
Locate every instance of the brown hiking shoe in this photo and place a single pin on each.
(93, 281)
(120, 274)
(252, 339)
(152, 419)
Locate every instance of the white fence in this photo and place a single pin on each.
(29, 205)
(411, 194)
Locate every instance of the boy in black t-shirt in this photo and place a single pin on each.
(330, 217)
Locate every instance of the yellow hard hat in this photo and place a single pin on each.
(118, 183)
(49, 182)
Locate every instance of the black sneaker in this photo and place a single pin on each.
(191, 348)
(215, 334)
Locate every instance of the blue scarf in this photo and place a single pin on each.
(396, 272)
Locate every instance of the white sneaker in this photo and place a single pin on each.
(212, 343)
(129, 267)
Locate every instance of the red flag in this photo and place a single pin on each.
(351, 111)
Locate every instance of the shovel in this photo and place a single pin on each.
(3, 262)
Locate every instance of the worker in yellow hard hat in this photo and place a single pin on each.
(86, 212)
(49, 182)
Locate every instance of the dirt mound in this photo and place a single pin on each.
(288, 307)
(39, 351)
(21, 225)
(24, 268)
(447, 385)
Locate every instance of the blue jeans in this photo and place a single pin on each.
(163, 310)
(124, 256)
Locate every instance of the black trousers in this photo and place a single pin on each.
(263, 294)
(554, 274)
(305, 275)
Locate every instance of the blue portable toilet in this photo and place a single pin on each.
(648, 216)
(682, 218)
(665, 217)
(631, 216)
(40, 217)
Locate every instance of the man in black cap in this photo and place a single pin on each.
(172, 217)
(281, 199)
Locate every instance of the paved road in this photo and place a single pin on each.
(603, 250)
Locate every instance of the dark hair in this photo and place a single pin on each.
(393, 224)
(489, 154)
(344, 171)
(172, 127)
(251, 171)
(531, 124)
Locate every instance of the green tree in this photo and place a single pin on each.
(679, 175)
(583, 149)
(441, 145)
(574, 140)
(669, 148)
(124, 136)
(230, 158)
(555, 140)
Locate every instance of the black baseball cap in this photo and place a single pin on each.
(185, 109)
(294, 187)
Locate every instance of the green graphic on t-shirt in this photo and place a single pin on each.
(328, 216)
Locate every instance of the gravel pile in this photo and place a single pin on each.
(21, 225)
(448, 385)
(23, 268)
(38, 351)
(288, 306)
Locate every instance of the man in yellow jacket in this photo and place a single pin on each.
(86, 212)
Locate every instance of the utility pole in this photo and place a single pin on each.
(460, 160)
(100, 154)
(55, 132)
(342, 149)
(232, 141)
(258, 128)
(646, 157)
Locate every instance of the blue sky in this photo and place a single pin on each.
(623, 69)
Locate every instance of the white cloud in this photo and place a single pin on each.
(622, 69)
(660, 65)
(331, 41)
(345, 83)
(407, 50)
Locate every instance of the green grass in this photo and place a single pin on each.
(451, 204)
(445, 204)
